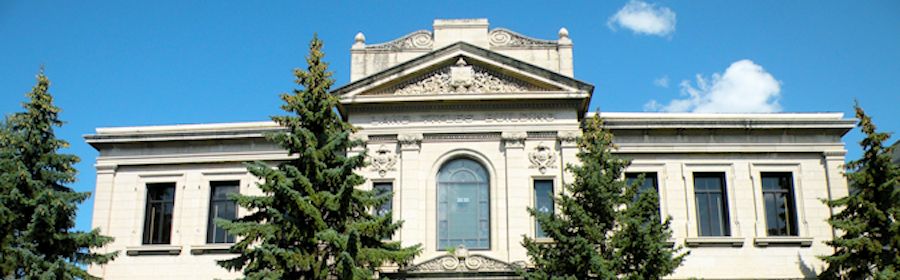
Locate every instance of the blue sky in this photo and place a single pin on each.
(125, 63)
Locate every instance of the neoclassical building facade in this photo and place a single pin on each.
(468, 126)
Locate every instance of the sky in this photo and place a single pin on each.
(128, 63)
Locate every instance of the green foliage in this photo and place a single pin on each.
(37, 209)
(312, 222)
(600, 230)
(868, 241)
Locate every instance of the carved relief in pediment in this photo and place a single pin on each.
(461, 263)
(460, 78)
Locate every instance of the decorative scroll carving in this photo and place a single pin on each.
(514, 139)
(383, 160)
(461, 78)
(462, 263)
(422, 39)
(542, 157)
(501, 37)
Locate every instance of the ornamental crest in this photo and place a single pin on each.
(383, 160)
(542, 157)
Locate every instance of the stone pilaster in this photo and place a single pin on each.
(518, 191)
(412, 209)
(834, 177)
(568, 151)
(103, 203)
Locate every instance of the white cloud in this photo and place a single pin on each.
(644, 19)
(662, 82)
(745, 87)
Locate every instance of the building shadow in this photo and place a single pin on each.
(808, 271)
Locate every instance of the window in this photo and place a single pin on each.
(712, 207)
(382, 188)
(221, 207)
(649, 180)
(778, 194)
(543, 202)
(463, 208)
(158, 215)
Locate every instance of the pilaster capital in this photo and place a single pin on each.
(568, 138)
(514, 139)
(105, 168)
(410, 141)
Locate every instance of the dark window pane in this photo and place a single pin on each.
(649, 183)
(712, 206)
(781, 216)
(463, 205)
(543, 201)
(384, 188)
(223, 208)
(158, 213)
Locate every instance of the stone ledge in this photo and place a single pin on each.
(714, 241)
(783, 241)
(151, 250)
(211, 249)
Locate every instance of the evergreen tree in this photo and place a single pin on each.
(312, 221)
(601, 231)
(868, 244)
(38, 209)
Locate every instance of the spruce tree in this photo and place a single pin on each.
(38, 209)
(868, 242)
(312, 221)
(601, 231)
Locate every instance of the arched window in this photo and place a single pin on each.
(463, 205)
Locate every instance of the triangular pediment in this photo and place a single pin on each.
(461, 69)
(461, 77)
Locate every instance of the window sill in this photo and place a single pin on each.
(544, 240)
(783, 241)
(714, 241)
(153, 250)
(216, 248)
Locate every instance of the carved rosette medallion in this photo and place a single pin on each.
(383, 160)
(542, 158)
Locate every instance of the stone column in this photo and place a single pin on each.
(517, 192)
(413, 209)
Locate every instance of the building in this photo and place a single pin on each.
(743, 190)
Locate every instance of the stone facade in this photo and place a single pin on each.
(511, 104)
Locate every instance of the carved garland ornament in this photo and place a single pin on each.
(542, 157)
(462, 262)
(462, 78)
(383, 160)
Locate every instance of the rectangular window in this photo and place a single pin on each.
(382, 188)
(221, 207)
(712, 205)
(543, 202)
(778, 194)
(649, 180)
(158, 214)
